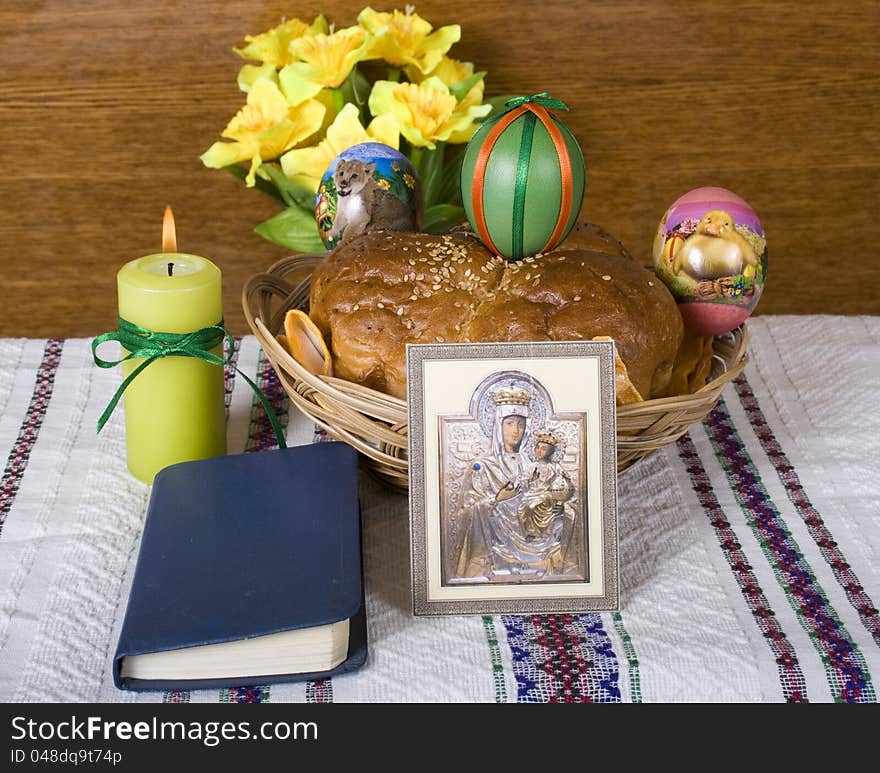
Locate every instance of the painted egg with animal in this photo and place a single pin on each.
(368, 187)
(522, 178)
(711, 252)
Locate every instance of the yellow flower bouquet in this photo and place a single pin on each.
(309, 98)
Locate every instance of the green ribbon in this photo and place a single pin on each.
(519, 188)
(151, 346)
(543, 99)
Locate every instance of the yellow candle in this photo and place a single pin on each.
(174, 410)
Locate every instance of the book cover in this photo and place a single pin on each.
(248, 545)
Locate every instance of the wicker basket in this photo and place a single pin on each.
(376, 423)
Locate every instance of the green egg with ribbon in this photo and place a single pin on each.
(522, 178)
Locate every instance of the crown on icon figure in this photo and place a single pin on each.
(511, 396)
(547, 437)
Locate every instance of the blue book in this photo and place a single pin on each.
(249, 572)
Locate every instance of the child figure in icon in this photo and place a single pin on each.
(547, 513)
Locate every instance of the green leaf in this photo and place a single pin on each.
(449, 191)
(441, 217)
(429, 165)
(294, 228)
(460, 90)
(293, 193)
(356, 88)
(261, 185)
(264, 176)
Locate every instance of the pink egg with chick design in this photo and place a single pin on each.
(711, 252)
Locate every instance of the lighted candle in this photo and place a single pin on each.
(174, 410)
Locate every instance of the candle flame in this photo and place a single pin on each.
(169, 231)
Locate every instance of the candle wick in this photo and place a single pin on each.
(170, 269)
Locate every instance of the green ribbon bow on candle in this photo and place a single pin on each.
(151, 346)
(543, 99)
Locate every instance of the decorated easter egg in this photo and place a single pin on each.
(368, 187)
(522, 178)
(711, 252)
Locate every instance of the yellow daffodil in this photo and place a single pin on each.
(321, 61)
(273, 47)
(263, 129)
(406, 38)
(307, 165)
(251, 73)
(451, 71)
(426, 113)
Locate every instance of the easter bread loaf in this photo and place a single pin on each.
(373, 295)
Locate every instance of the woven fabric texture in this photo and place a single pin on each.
(748, 550)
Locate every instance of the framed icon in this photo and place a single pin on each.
(513, 477)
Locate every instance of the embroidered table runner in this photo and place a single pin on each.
(748, 553)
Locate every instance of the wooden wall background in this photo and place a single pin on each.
(106, 105)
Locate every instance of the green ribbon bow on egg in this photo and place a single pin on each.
(543, 99)
(151, 346)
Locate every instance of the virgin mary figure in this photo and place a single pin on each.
(494, 546)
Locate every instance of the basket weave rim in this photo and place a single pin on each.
(376, 423)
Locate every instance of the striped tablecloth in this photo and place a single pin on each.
(749, 549)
